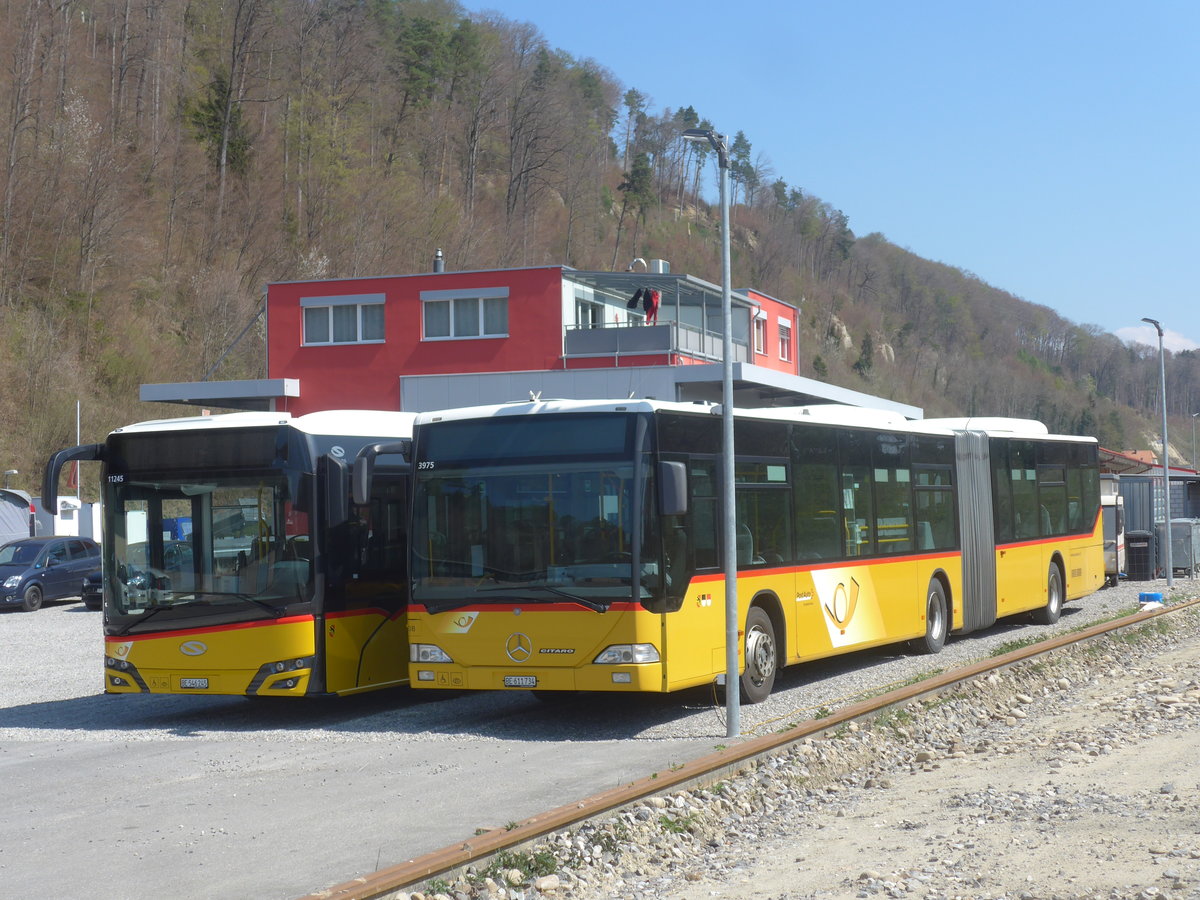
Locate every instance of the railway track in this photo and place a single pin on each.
(699, 772)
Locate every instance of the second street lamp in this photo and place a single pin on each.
(733, 725)
(1194, 439)
(1166, 470)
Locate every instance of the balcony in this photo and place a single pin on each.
(667, 338)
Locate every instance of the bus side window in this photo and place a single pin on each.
(816, 498)
(1022, 473)
(764, 524)
(745, 545)
(702, 513)
(1003, 515)
(677, 558)
(858, 511)
(933, 497)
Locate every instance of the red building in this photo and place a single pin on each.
(443, 339)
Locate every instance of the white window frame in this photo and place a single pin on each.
(329, 304)
(785, 339)
(589, 312)
(487, 299)
(760, 334)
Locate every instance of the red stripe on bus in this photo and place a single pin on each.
(368, 611)
(829, 564)
(1036, 542)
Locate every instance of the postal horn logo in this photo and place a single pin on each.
(193, 648)
(841, 607)
(518, 647)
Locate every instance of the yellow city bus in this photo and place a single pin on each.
(575, 545)
(234, 563)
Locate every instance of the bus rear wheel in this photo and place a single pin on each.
(758, 678)
(937, 621)
(1050, 613)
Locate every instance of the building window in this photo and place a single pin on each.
(588, 313)
(760, 334)
(785, 340)
(452, 315)
(355, 319)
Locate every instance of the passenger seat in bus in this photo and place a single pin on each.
(289, 575)
(924, 536)
(745, 545)
(677, 557)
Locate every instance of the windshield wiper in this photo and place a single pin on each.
(196, 601)
(148, 614)
(275, 611)
(594, 605)
(440, 606)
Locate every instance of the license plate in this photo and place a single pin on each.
(520, 681)
(200, 684)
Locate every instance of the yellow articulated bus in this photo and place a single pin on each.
(576, 546)
(234, 562)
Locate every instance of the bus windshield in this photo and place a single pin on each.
(530, 533)
(232, 543)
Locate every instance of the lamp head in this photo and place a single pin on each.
(716, 141)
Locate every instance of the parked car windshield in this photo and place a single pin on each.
(19, 553)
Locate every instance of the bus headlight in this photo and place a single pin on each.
(428, 653)
(619, 654)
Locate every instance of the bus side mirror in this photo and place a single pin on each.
(54, 468)
(360, 480)
(672, 488)
(364, 466)
(337, 501)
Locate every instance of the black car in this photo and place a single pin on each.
(33, 570)
(92, 590)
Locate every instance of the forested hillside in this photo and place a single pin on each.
(162, 160)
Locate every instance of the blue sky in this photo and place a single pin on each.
(1050, 148)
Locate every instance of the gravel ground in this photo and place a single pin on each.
(801, 691)
(1063, 777)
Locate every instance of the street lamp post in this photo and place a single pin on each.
(1162, 377)
(1194, 439)
(733, 725)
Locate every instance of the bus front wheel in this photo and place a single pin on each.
(937, 621)
(759, 675)
(1049, 613)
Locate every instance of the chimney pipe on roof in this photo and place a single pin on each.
(439, 263)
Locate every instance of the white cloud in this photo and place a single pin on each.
(1146, 334)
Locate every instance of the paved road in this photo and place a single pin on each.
(195, 797)
(132, 797)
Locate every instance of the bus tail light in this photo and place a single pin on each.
(623, 654)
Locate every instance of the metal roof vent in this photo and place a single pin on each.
(439, 262)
